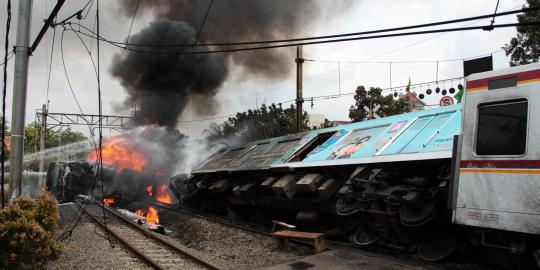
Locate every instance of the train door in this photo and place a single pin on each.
(499, 169)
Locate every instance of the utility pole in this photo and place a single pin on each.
(22, 53)
(299, 100)
(20, 81)
(42, 133)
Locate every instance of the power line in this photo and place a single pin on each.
(444, 30)
(132, 20)
(495, 12)
(353, 63)
(6, 47)
(332, 36)
(50, 68)
(100, 128)
(203, 22)
(400, 62)
(325, 97)
(10, 55)
(88, 5)
(66, 73)
(392, 51)
(87, 51)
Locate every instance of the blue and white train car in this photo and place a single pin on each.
(419, 180)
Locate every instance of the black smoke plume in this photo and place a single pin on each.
(162, 85)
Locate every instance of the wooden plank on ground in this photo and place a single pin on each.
(297, 234)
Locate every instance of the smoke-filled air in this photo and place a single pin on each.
(161, 85)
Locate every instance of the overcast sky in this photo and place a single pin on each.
(239, 92)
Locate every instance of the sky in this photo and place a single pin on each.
(335, 68)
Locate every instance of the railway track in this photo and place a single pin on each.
(247, 226)
(266, 231)
(147, 246)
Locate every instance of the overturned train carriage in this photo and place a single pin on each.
(68, 179)
(402, 181)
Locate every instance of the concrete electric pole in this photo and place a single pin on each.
(20, 81)
(299, 100)
(22, 52)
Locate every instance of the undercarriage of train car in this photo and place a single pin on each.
(391, 204)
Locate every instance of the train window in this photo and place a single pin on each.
(315, 143)
(244, 161)
(283, 146)
(502, 128)
(502, 83)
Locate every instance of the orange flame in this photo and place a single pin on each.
(149, 190)
(163, 194)
(119, 152)
(152, 216)
(139, 212)
(108, 201)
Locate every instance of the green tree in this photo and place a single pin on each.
(265, 122)
(369, 99)
(525, 48)
(52, 139)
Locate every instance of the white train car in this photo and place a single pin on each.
(497, 182)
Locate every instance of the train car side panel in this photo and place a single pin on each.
(499, 179)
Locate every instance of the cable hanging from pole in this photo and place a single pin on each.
(385, 30)
(3, 133)
(444, 30)
(100, 128)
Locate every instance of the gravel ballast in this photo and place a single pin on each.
(87, 248)
(228, 247)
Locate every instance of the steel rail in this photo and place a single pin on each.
(133, 249)
(151, 235)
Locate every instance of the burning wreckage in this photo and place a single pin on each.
(136, 169)
(430, 181)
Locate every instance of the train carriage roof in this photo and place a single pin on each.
(426, 134)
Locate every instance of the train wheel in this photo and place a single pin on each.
(345, 207)
(412, 217)
(364, 237)
(436, 247)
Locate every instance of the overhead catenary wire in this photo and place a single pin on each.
(373, 57)
(325, 73)
(66, 73)
(444, 30)
(202, 24)
(67, 232)
(100, 128)
(400, 62)
(3, 133)
(362, 33)
(50, 68)
(132, 20)
(10, 55)
(322, 97)
(495, 12)
(88, 7)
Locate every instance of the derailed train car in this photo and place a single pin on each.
(408, 181)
